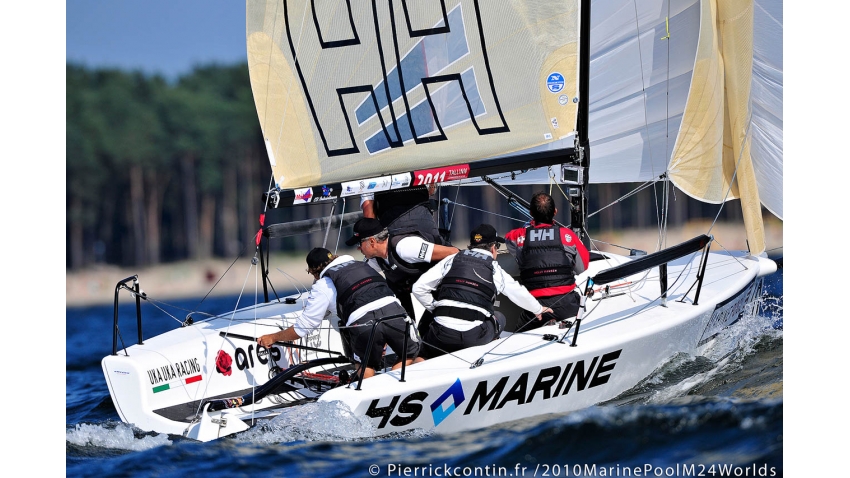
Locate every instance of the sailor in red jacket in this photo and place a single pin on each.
(549, 258)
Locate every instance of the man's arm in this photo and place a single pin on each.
(513, 241)
(367, 205)
(428, 282)
(441, 252)
(516, 292)
(322, 295)
(285, 335)
(572, 242)
(414, 249)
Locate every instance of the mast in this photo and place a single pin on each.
(580, 162)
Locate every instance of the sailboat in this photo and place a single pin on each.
(387, 95)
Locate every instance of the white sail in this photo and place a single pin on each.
(466, 80)
(322, 126)
(766, 94)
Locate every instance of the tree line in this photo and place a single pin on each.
(160, 171)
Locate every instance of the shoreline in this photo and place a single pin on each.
(187, 279)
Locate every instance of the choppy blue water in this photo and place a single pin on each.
(720, 414)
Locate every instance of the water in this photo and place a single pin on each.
(720, 414)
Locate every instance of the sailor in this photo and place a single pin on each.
(408, 210)
(549, 258)
(361, 296)
(402, 257)
(466, 286)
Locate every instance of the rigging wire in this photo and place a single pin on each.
(629, 194)
(227, 328)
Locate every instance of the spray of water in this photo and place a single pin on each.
(113, 435)
(318, 421)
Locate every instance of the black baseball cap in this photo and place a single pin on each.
(318, 257)
(484, 234)
(363, 228)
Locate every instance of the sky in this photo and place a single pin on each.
(167, 37)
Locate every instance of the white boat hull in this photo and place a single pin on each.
(622, 340)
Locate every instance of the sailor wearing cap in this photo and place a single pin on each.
(466, 286)
(360, 296)
(402, 258)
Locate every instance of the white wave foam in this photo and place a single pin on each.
(726, 352)
(120, 436)
(318, 421)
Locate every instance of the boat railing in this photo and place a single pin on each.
(407, 324)
(138, 294)
(658, 259)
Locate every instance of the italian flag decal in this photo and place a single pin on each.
(192, 379)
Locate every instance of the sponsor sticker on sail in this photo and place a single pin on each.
(400, 181)
(555, 82)
(302, 196)
(325, 194)
(370, 185)
(438, 175)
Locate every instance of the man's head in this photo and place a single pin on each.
(484, 237)
(542, 208)
(318, 259)
(370, 237)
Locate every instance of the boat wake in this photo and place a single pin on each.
(317, 421)
(743, 362)
(88, 439)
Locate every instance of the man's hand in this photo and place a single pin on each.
(267, 340)
(546, 310)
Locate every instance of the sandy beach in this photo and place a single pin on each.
(195, 279)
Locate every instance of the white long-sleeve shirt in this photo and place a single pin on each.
(503, 282)
(322, 299)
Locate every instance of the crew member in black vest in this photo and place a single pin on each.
(402, 257)
(405, 211)
(466, 286)
(549, 258)
(360, 296)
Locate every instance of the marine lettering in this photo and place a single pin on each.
(563, 378)
(604, 366)
(598, 372)
(481, 394)
(517, 392)
(545, 379)
(578, 372)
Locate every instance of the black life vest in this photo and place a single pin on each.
(389, 205)
(469, 280)
(399, 273)
(351, 276)
(544, 261)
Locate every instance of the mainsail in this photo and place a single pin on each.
(356, 99)
(347, 93)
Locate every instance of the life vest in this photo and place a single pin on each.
(408, 212)
(469, 280)
(351, 276)
(399, 273)
(544, 262)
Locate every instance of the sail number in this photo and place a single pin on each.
(438, 175)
